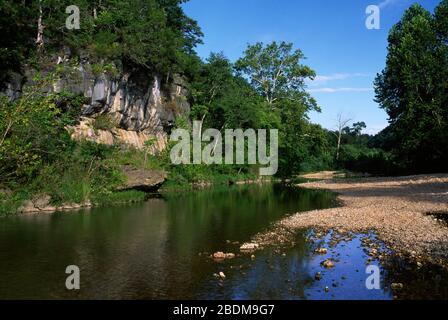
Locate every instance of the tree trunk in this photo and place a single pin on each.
(339, 145)
(40, 29)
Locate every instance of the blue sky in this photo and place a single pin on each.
(332, 34)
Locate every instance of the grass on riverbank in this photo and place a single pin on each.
(88, 172)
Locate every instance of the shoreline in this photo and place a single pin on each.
(397, 209)
(41, 203)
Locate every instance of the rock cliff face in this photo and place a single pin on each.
(142, 109)
(141, 105)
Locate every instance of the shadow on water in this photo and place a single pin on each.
(160, 250)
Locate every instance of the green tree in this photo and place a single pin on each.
(152, 34)
(412, 89)
(32, 132)
(275, 70)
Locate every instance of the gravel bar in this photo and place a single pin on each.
(398, 209)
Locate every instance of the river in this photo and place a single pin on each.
(160, 249)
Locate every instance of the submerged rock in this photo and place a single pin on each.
(329, 264)
(321, 250)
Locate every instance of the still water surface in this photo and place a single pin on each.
(159, 250)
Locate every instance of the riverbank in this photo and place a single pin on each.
(399, 210)
(142, 180)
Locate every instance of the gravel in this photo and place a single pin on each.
(397, 209)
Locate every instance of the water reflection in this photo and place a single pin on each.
(141, 251)
(159, 250)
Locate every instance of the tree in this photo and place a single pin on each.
(357, 128)
(275, 70)
(155, 35)
(32, 132)
(214, 79)
(412, 88)
(341, 125)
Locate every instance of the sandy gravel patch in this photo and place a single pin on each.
(395, 208)
(324, 175)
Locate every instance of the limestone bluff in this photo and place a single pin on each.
(142, 105)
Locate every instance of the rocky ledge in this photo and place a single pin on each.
(142, 179)
(42, 204)
(137, 179)
(85, 131)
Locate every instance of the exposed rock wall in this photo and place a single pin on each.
(142, 105)
(85, 130)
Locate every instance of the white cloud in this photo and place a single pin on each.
(386, 3)
(323, 79)
(374, 129)
(335, 90)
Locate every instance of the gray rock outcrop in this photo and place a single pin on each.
(142, 105)
(143, 180)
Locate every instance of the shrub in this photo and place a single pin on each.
(105, 122)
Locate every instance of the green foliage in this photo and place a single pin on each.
(105, 122)
(15, 45)
(108, 68)
(151, 34)
(32, 131)
(412, 89)
(264, 89)
(273, 99)
(275, 71)
(38, 156)
(10, 203)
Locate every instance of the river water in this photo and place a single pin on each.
(160, 250)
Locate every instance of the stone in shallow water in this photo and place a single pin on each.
(249, 247)
(222, 256)
(219, 255)
(321, 250)
(329, 264)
